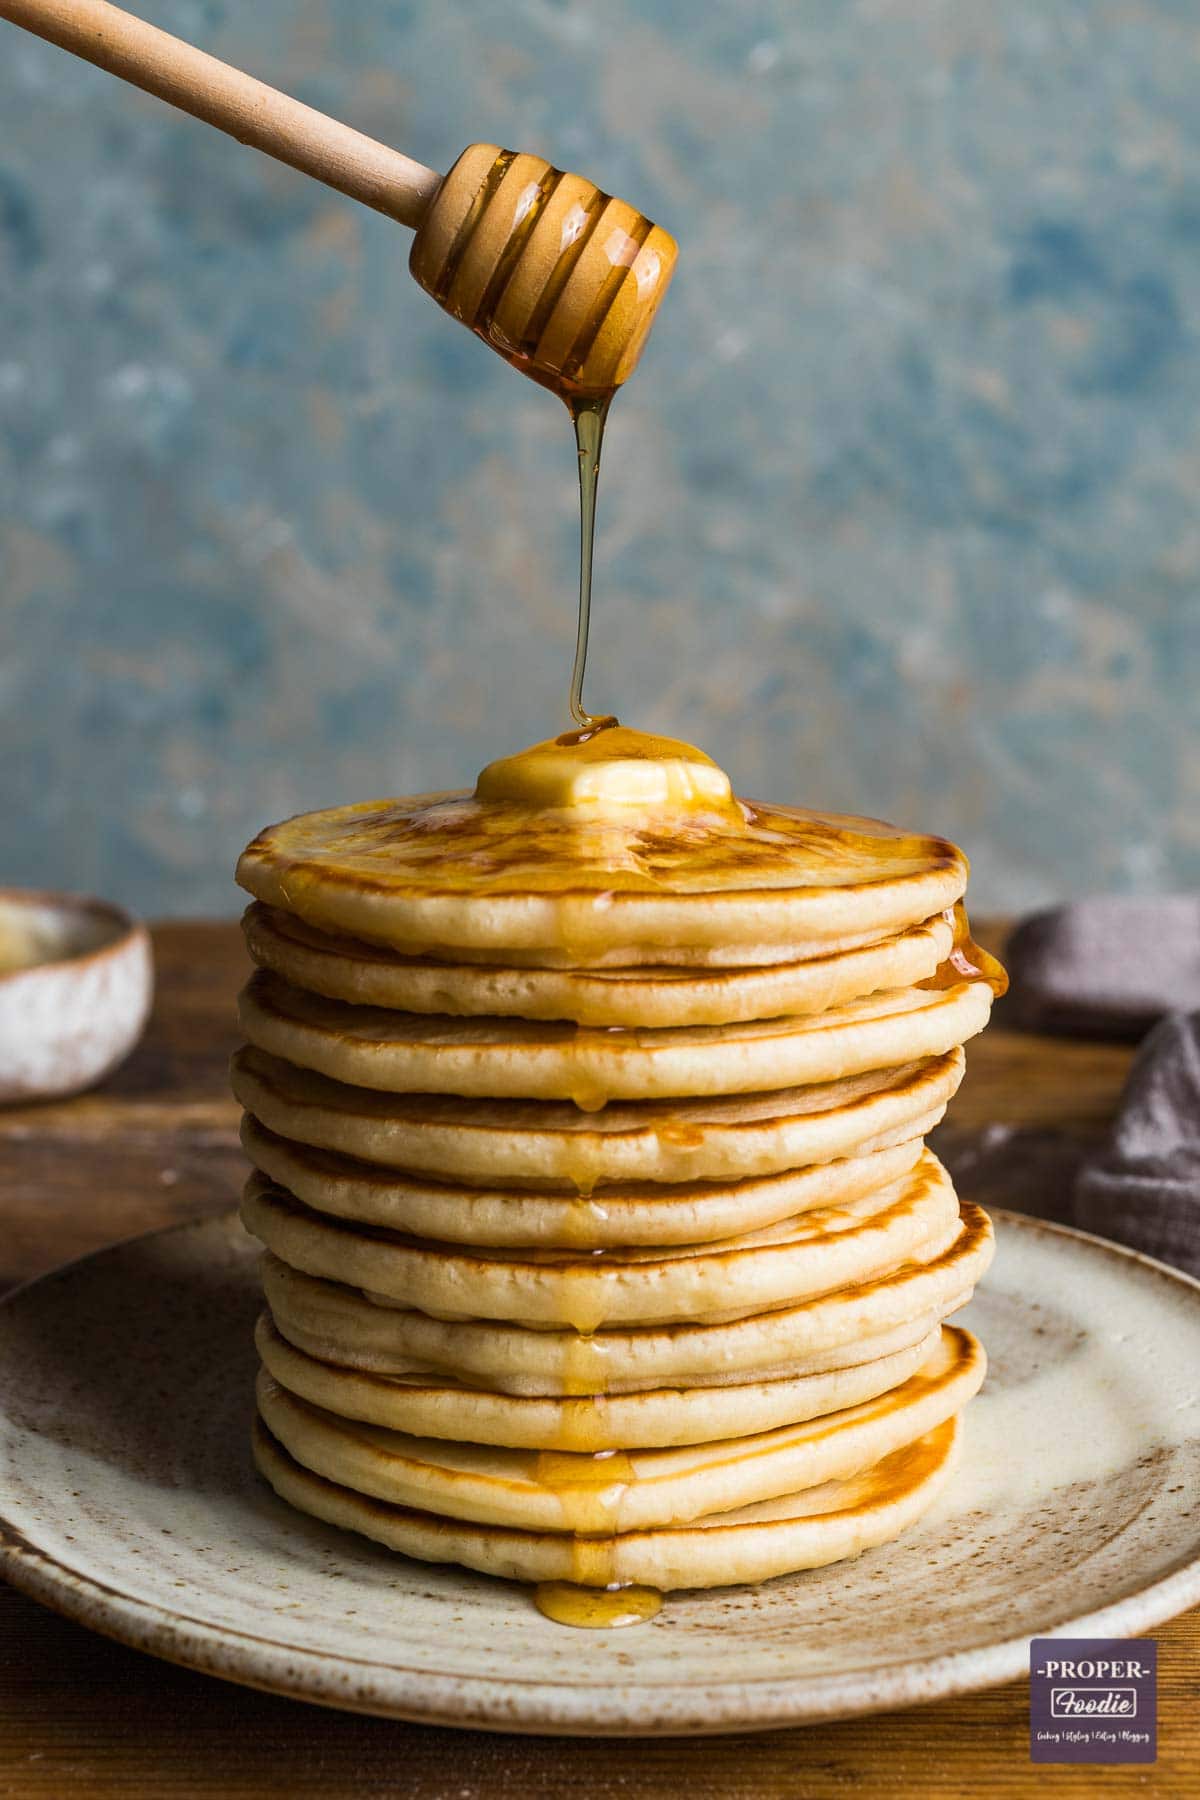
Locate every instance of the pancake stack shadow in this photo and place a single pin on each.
(629, 1272)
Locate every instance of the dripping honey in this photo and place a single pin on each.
(588, 417)
(967, 961)
(590, 1488)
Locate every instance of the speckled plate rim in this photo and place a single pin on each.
(484, 1704)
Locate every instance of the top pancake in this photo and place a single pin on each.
(569, 886)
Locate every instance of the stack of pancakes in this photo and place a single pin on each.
(602, 1242)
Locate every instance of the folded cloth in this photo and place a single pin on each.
(1144, 1188)
(1107, 966)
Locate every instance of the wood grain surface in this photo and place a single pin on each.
(79, 1715)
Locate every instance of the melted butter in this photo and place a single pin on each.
(596, 1609)
(607, 765)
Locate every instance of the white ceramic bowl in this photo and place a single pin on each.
(76, 982)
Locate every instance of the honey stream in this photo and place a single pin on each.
(588, 417)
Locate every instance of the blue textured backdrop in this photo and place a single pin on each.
(900, 513)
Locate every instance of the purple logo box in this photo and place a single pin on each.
(1093, 1700)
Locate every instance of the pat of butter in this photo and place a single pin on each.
(610, 765)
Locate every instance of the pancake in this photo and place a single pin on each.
(339, 1324)
(532, 1144)
(654, 1214)
(654, 1487)
(599, 1422)
(318, 1317)
(640, 999)
(452, 871)
(413, 1053)
(804, 1531)
(914, 1220)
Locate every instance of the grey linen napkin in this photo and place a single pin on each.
(1112, 966)
(1107, 966)
(1144, 1189)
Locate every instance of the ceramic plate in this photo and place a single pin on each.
(128, 1502)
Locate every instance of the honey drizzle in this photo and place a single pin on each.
(588, 417)
(584, 1370)
(967, 961)
(590, 1488)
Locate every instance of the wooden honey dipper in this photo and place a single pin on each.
(559, 278)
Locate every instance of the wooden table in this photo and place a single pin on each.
(80, 1715)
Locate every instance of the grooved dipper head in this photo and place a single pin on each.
(561, 279)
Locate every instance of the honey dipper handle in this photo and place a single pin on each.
(232, 101)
